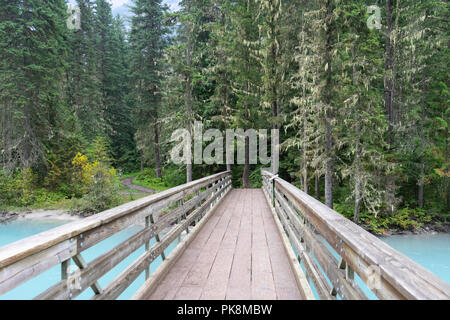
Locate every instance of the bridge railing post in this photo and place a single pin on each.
(163, 219)
(332, 250)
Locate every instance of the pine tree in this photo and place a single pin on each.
(33, 51)
(317, 81)
(362, 125)
(84, 74)
(147, 40)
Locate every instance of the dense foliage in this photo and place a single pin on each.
(361, 103)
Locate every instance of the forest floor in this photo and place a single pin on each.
(61, 210)
(128, 182)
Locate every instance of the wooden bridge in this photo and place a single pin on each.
(271, 243)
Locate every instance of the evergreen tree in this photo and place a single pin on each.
(148, 40)
(113, 51)
(84, 75)
(33, 55)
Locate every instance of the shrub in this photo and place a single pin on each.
(378, 225)
(17, 189)
(345, 209)
(82, 174)
(405, 219)
(174, 177)
(171, 178)
(102, 192)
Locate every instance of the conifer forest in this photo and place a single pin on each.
(357, 88)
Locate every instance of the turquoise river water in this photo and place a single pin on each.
(431, 251)
(16, 230)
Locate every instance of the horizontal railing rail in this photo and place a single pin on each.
(332, 249)
(169, 212)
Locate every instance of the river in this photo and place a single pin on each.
(431, 251)
(20, 229)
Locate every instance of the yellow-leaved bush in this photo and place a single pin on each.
(82, 174)
(94, 182)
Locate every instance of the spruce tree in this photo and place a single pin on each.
(33, 55)
(147, 39)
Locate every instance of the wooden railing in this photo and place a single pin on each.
(169, 213)
(332, 249)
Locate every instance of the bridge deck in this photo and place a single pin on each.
(238, 254)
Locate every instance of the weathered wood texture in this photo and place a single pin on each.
(308, 224)
(155, 279)
(237, 255)
(27, 258)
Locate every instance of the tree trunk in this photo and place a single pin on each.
(305, 179)
(421, 184)
(275, 106)
(246, 174)
(389, 103)
(303, 160)
(389, 70)
(157, 152)
(357, 149)
(329, 170)
(357, 177)
(357, 201)
(188, 90)
(316, 186)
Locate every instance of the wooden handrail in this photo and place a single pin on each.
(309, 223)
(27, 258)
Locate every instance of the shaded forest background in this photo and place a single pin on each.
(362, 108)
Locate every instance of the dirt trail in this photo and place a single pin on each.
(128, 182)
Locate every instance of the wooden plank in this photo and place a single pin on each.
(27, 258)
(28, 246)
(263, 287)
(175, 214)
(79, 261)
(283, 276)
(65, 269)
(150, 285)
(126, 277)
(21, 271)
(399, 275)
(240, 281)
(100, 233)
(300, 277)
(171, 282)
(216, 285)
(198, 274)
(86, 277)
(92, 237)
(313, 273)
(220, 247)
(346, 288)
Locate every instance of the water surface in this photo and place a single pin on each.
(20, 229)
(431, 251)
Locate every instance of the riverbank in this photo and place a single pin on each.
(61, 210)
(65, 215)
(426, 229)
(39, 214)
